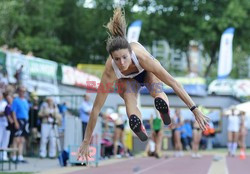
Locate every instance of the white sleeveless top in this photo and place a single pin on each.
(118, 73)
(233, 123)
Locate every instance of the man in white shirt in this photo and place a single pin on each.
(4, 133)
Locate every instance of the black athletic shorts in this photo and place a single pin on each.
(157, 131)
(141, 77)
(23, 130)
(121, 126)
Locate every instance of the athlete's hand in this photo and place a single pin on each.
(83, 152)
(201, 118)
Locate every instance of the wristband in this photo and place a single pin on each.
(193, 108)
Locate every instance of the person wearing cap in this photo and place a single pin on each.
(51, 118)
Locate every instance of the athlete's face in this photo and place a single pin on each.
(122, 59)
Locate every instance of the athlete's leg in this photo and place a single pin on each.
(129, 94)
(154, 85)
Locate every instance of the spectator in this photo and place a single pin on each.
(19, 76)
(177, 128)
(4, 133)
(157, 133)
(34, 121)
(4, 78)
(84, 110)
(119, 134)
(233, 128)
(20, 108)
(197, 134)
(242, 131)
(34, 127)
(33, 95)
(186, 135)
(150, 148)
(51, 118)
(63, 110)
(12, 121)
(4, 81)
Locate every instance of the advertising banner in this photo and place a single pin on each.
(75, 77)
(226, 53)
(134, 31)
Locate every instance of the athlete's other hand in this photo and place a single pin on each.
(201, 118)
(83, 153)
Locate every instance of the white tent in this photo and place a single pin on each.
(246, 108)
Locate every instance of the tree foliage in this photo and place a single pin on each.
(32, 26)
(68, 32)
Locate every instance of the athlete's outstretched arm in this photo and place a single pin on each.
(108, 78)
(152, 65)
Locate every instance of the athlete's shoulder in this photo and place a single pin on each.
(109, 70)
(108, 62)
(140, 51)
(135, 46)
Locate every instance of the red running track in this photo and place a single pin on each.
(237, 166)
(182, 165)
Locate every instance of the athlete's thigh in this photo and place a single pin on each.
(128, 88)
(155, 86)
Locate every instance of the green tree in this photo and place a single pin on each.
(203, 21)
(66, 31)
(31, 26)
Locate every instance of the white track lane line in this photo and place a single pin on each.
(226, 167)
(153, 166)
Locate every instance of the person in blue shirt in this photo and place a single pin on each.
(186, 135)
(63, 110)
(84, 111)
(20, 108)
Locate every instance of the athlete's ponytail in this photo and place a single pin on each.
(117, 29)
(117, 25)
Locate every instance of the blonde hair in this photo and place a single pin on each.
(117, 25)
(117, 29)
